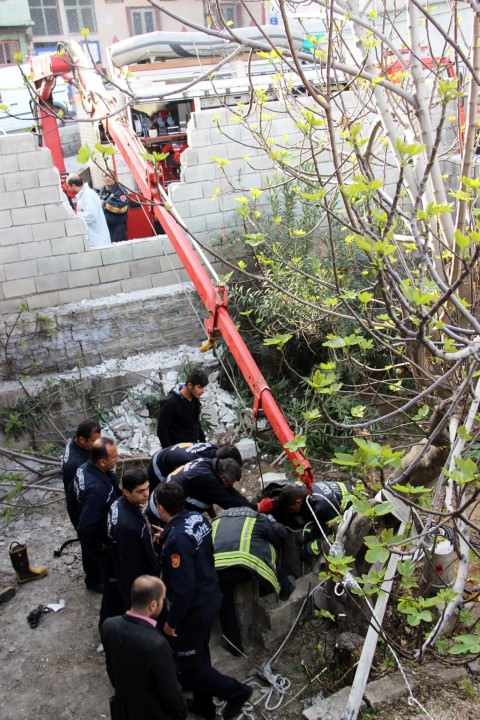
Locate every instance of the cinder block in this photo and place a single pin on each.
(42, 196)
(48, 176)
(21, 180)
(38, 249)
(58, 211)
(173, 277)
(203, 207)
(137, 283)
(11, 306)
(189, 157)
(247, 448)
(9, 163)
(118, 252)
(19, 288)
(49, 230)
(5, 219)
(73, 244)
(147, 248)
(180, 192)
(9, 254)
(49, 265)
(110, 273)
(13, 199)
(17, 143)
(24, 269)
(147, 266)
(199, 138)
(43, 300)
(74, 295)
(82, 278)
(199, 173)
(75, 226)
(273, 477)
(99, 291)
(14, 235)
(47, 283)
(197, 224)
(28, 215)
(2, 183)
(37, 160)
(88, 259)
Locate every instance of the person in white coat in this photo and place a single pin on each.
(89, 207)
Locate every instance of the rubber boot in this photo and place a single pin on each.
(6, 594)
(23, 569)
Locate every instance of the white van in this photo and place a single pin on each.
(17, 99)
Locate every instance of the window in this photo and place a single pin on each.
(8, 48)
(142, 20)
(45, 16)
(230, 12)
(80, 14)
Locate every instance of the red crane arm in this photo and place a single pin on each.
(213, 298)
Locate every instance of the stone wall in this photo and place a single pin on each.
(44, 255)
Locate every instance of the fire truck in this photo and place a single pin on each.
(120, 125)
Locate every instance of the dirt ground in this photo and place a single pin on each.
(55, 672)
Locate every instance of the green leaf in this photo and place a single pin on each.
(296, 443)
(358, 411)
(278, 340)
(83, 155)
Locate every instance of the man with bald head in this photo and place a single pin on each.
(139, 660)
(90, 208)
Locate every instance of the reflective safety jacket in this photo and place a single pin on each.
(115, 204)
(243, 537)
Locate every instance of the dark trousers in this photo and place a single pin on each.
(228, 579)
(91, 561)
(118, 232)
(194, 664)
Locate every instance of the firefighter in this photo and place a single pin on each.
(299, 511)
(129, 536)
(193, 599)
(115, 206)
(77, 452)
(246, 543)
(166, 460)
(96, 489)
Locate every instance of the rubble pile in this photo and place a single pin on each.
(130, 424)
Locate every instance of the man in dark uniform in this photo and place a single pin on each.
(166, 460)
(96, 489)
(77, 452)
(179, 416)
(193, 603)
(129, 537)
(246, 544)
(115, 207)
(139, 660)
(304, 512)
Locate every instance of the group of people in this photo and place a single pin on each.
(162, 523)
(105, 214)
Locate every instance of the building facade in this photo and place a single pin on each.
(113, 20)
(15, 30)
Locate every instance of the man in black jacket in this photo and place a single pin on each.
(165, 461)
(96, 489)
(179, 416)
(139, 660)
(129, 538)
(193, 603)
(77, 452)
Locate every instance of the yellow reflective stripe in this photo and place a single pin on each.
(230, 559)
(343, 489)
(117, 210)
(215, 525)
(246, 536)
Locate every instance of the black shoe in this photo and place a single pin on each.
(233, 649)
(234, 706)
(96, 588)
(7, 594)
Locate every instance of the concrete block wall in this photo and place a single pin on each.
(205, 197)
(45, 259)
